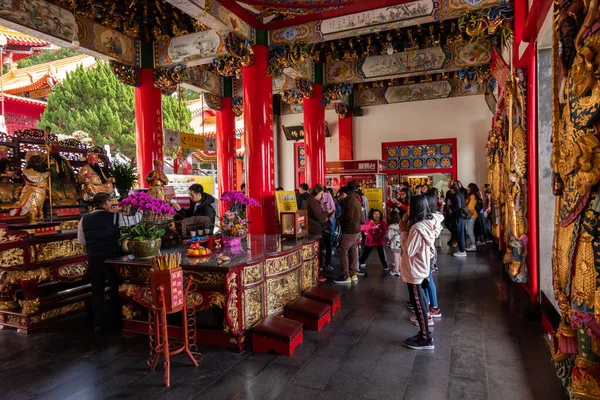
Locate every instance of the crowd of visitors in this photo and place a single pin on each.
(409, 227)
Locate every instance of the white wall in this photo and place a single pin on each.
(467, 119)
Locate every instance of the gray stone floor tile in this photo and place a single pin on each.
(430, 372)
(296, 392)
(468, 363)
(461, 388)
(421, 393)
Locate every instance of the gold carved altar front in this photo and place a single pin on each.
(257, 282)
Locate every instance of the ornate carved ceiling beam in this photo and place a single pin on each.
(63, 28)
(451, 57)
(215, 16)
(393, 17)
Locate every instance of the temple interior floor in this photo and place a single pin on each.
(484, 350)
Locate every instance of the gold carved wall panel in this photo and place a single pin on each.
(253, 305)
(252, 274)
(283, 263)
(12, 257)
(307, 275)
(282, 290)
(53, 250)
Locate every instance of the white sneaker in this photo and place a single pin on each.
(363, 265)
(471, 248)
(460, 254)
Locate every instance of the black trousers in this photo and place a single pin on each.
(380, 250)
(421, 307)
(326, 245)
(100, 273)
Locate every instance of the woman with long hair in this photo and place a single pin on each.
(418, 230)
(471, 200)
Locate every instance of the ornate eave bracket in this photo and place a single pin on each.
(166, 79)
(336, 92)
(238, 106)
(125, 73)
(213, 101)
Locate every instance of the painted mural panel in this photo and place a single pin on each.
(231, 20)
(375, 18)
(434, 58)
(283, 82)
(416, 92)
(103, 40)
(195, 46)
(40, 16)
(200, 77)
(194, 8)
(410, 63)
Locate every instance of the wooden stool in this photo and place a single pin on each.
(276, 333)
(158, 329)
(324, 295)
(313, 314)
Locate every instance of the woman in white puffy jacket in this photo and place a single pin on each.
(418, 233)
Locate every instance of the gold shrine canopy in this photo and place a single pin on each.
(379, 48)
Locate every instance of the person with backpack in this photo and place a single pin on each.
(471, 198)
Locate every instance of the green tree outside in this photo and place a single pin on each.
(96, 102)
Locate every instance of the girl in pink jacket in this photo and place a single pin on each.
(375, 230)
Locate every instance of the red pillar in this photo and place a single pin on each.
(532, 182)
(259, 142)
(314, 137)
(225, 149)
(148, 124)
(345, 135)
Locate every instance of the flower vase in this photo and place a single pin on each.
(231, 241)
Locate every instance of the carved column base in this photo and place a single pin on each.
(30, 306)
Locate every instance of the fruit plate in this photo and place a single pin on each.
(207, 254)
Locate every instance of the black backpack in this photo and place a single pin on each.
(479, 205)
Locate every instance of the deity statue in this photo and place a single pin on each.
(9, 189)
(576, 184)
(33, 194)
(95, 179)
(62, 177)
(515, 183)
(157, 180)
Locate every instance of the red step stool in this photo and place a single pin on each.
(313, 314)
(324, 295)
(276, 333)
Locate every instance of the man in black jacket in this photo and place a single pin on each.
(302, 196)
(99, 232)
(201, 204)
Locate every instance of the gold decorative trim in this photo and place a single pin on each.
(70, 225)
(209, 278)
(80, 305)
(232, 305)
(73, 271)
(29, 306)
(218, 300)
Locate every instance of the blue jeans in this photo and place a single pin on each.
(460, 234)
(431, 292)
(471, 230)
